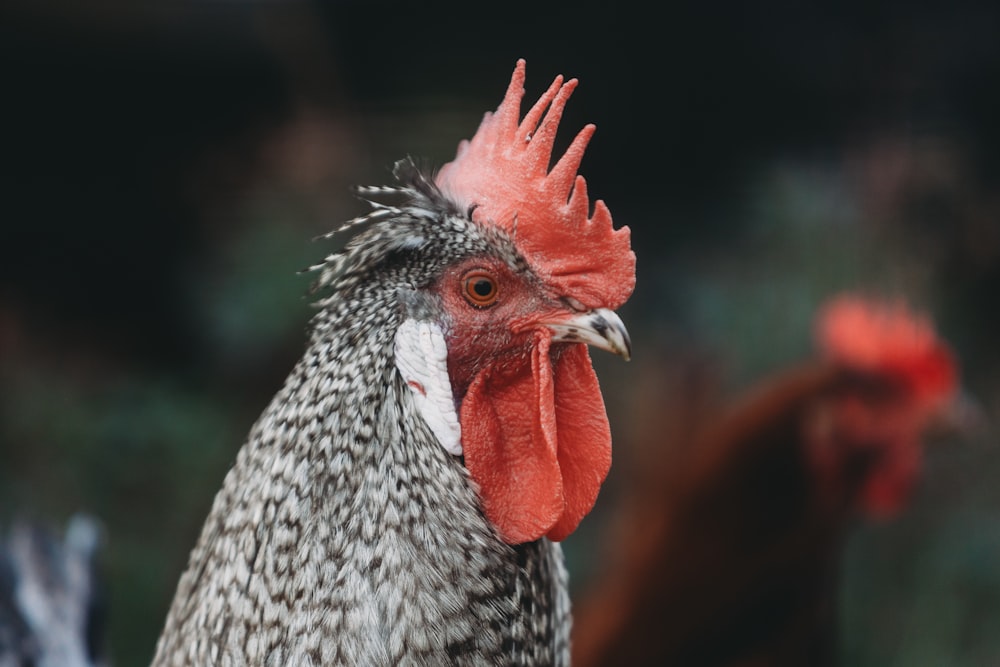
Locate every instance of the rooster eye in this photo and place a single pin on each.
(480, 289)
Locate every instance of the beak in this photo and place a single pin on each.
(599, 327)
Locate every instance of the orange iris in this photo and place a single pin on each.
(480, 288)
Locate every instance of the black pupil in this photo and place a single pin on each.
(482, 287)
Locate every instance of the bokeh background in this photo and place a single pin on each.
(167, 163)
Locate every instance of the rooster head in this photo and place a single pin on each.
(535, 434)
(899, 377)
(501, 274)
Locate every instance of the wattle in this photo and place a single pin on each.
(537, 442)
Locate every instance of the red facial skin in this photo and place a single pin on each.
(497, 334)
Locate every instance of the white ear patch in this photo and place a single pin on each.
(422, 360)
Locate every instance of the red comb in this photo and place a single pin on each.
(503, 171)
(891, 339)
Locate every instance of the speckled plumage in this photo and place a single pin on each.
(345, 533)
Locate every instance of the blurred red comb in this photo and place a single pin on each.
(890, 339)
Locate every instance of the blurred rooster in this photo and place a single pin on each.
(401, 499)
(731, 557)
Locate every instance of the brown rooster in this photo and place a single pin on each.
(731, 557)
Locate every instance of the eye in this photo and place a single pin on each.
(479, 288)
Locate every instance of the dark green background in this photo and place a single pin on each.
(166, 164)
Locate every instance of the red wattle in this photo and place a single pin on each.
(536, 441)
(584, 437)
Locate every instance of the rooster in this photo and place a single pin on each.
(730, 557)
(402, 498)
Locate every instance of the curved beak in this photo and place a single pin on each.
(599, 327)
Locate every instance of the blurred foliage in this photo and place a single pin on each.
(170, 163)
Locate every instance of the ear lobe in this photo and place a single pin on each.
(422, 360)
